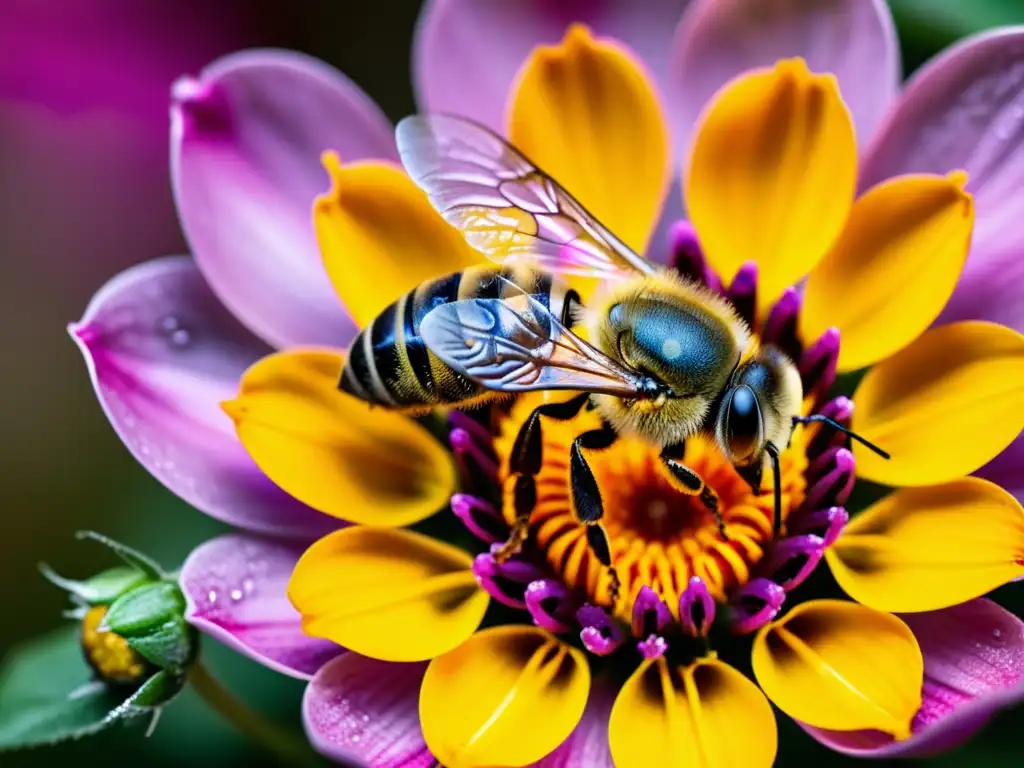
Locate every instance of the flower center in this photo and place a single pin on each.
(660, 537)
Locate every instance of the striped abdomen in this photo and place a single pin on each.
(388, 364)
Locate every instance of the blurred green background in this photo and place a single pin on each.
(84, 193)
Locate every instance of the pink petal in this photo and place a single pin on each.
(973, 667)
(853, 39)
(466, 53)
(587, 745)
(236, 588)
(364, 711)
(1007, 469)
(965, 109)
(163, 353)
(246, 142)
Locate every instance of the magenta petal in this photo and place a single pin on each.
(246, 141)
(965, 109)
(587, 745)
(973, 667)
(236, 588)
(163, 353)
(853, 39)
(362, 711)
(466, 53)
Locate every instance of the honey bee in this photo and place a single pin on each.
(668, 359)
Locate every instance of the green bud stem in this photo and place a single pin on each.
(281, 742)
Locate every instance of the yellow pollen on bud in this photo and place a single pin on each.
(660, 537)
(108, 653)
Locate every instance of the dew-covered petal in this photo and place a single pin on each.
(772, 174)
(853, 39)
(466, 53)
(507, 696)
(842, 666)
(965, 109)
(587, 113)
(943, 406)
(587, 745)
(364, 711)
(380, 237)
(973, 667)
(335, 452)
(246, 141)
(388, 594)
(162, 353)
(235, 586)
(705, 715)
(893, 268)
(920, 549)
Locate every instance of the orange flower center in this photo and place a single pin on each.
(660, 536)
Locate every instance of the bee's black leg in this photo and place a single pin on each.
(525, 462)
(692, 484)
(586, 496)
(773, 454)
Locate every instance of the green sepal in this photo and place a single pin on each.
(150, 698)
(144, 609)
(101, 589)
(171, 646)
(133, 557)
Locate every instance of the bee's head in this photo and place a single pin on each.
(757, 408)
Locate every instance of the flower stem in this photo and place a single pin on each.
(281, 742)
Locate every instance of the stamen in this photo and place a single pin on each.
(688, 257)
(473, 459)
(827, 524)
(743, 292)
(653, 647)
(460, 420)
(755, 605)
(505, 582)
(550, 605)
(650, 614)
(834, 486)
(792, 560)
(696, 608)
(480, 517)
(780, 329)
(818, 365)
(601, 635)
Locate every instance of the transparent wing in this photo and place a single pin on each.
(516, 345)
(505, 206)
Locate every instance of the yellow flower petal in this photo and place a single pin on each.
(507, 696)
(380, 237)
(706, 715)
(772, 174)
(331, 450)
(921, 549)
(893, 268)
(587, 114)
(943, 406)
(842, 666)
(389, 594)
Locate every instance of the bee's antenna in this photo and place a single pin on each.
(773, 453)
(817, 417)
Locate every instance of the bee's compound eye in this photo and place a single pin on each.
(615, 315)
(742, 428)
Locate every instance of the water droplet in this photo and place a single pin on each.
(248, 585)
(212, 596)
(366, 718)
(236, 595)
(997, 633)
(355, 739)
(181, 337)
(170, 323)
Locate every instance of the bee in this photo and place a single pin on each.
(667, 359)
